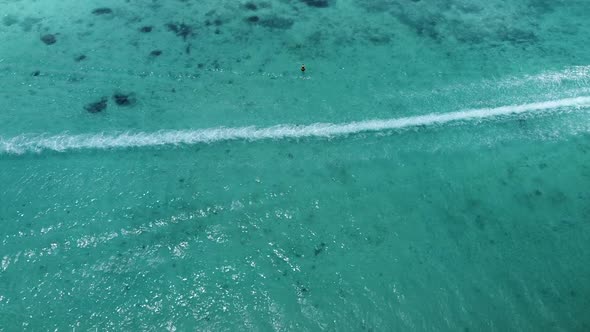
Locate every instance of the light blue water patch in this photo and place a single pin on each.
(167, 165)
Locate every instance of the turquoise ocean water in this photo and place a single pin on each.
(165, 165)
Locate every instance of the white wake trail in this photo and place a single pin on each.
(64, 142)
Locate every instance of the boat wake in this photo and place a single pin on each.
(65, 142)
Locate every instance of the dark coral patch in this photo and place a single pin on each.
(276, 22)
(146, 29)
(317, 3)
(250, 6)
(28, 23)
(180, 29)
(97, 107)
(517, 36)
(9, 20)
(123, 99)
(102, 11)
(253, 19)
(49, 39)
(319, 249)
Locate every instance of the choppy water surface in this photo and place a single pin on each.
(166, 165)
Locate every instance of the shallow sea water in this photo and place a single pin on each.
(430, 170)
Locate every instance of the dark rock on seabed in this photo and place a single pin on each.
(102, 11)
(317, 3)
(97, 107)
(319, 249)
(49, 39)
(276, 22)
(250, 6)
(180, 29)
(9, 20)
(253, 19)
(123, 99)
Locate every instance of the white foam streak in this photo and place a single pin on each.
(27, 143)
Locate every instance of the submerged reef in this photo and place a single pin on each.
(250, 6)
(276, 22)
(180, 29)
(124, 99)
(456, 20)
(49, 39)
(9, 20)
(317, 3)
(273, 22)
(97, 107)
(102, 11)
(253, 19)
